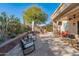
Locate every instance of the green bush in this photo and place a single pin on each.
(1, 39)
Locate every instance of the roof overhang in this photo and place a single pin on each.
(70, 7)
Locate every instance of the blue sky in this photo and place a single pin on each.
(18, 8)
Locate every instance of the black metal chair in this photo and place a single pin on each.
(71, 36)
(28, 46)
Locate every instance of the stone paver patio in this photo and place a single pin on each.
(47, 46)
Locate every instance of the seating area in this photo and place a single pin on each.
(72, 41)
(27, 44)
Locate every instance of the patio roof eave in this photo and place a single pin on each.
(65, 11)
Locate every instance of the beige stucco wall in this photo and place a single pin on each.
(69, 14)
(72, 27)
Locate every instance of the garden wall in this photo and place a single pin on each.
(8, 45)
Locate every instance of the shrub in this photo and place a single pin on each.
(1, 39)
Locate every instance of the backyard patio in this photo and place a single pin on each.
(47, 45)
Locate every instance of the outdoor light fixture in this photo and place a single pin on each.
(73, 23)
(74, 16)
(70, 18)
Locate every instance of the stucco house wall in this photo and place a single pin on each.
(68, 15)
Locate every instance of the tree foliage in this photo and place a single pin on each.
(34, 14)
(10, 26)
(49, 27)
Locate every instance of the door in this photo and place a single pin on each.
(78, 27)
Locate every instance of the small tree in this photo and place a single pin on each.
(49, 27)
(34, 14)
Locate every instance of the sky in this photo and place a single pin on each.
(18, 8)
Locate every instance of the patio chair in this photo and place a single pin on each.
(32, 36)
(71, 36)
(28, 46)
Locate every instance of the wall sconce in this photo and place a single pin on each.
(73, 23)
(70, 19)
(74, 16)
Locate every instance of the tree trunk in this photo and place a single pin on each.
(32, 25)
